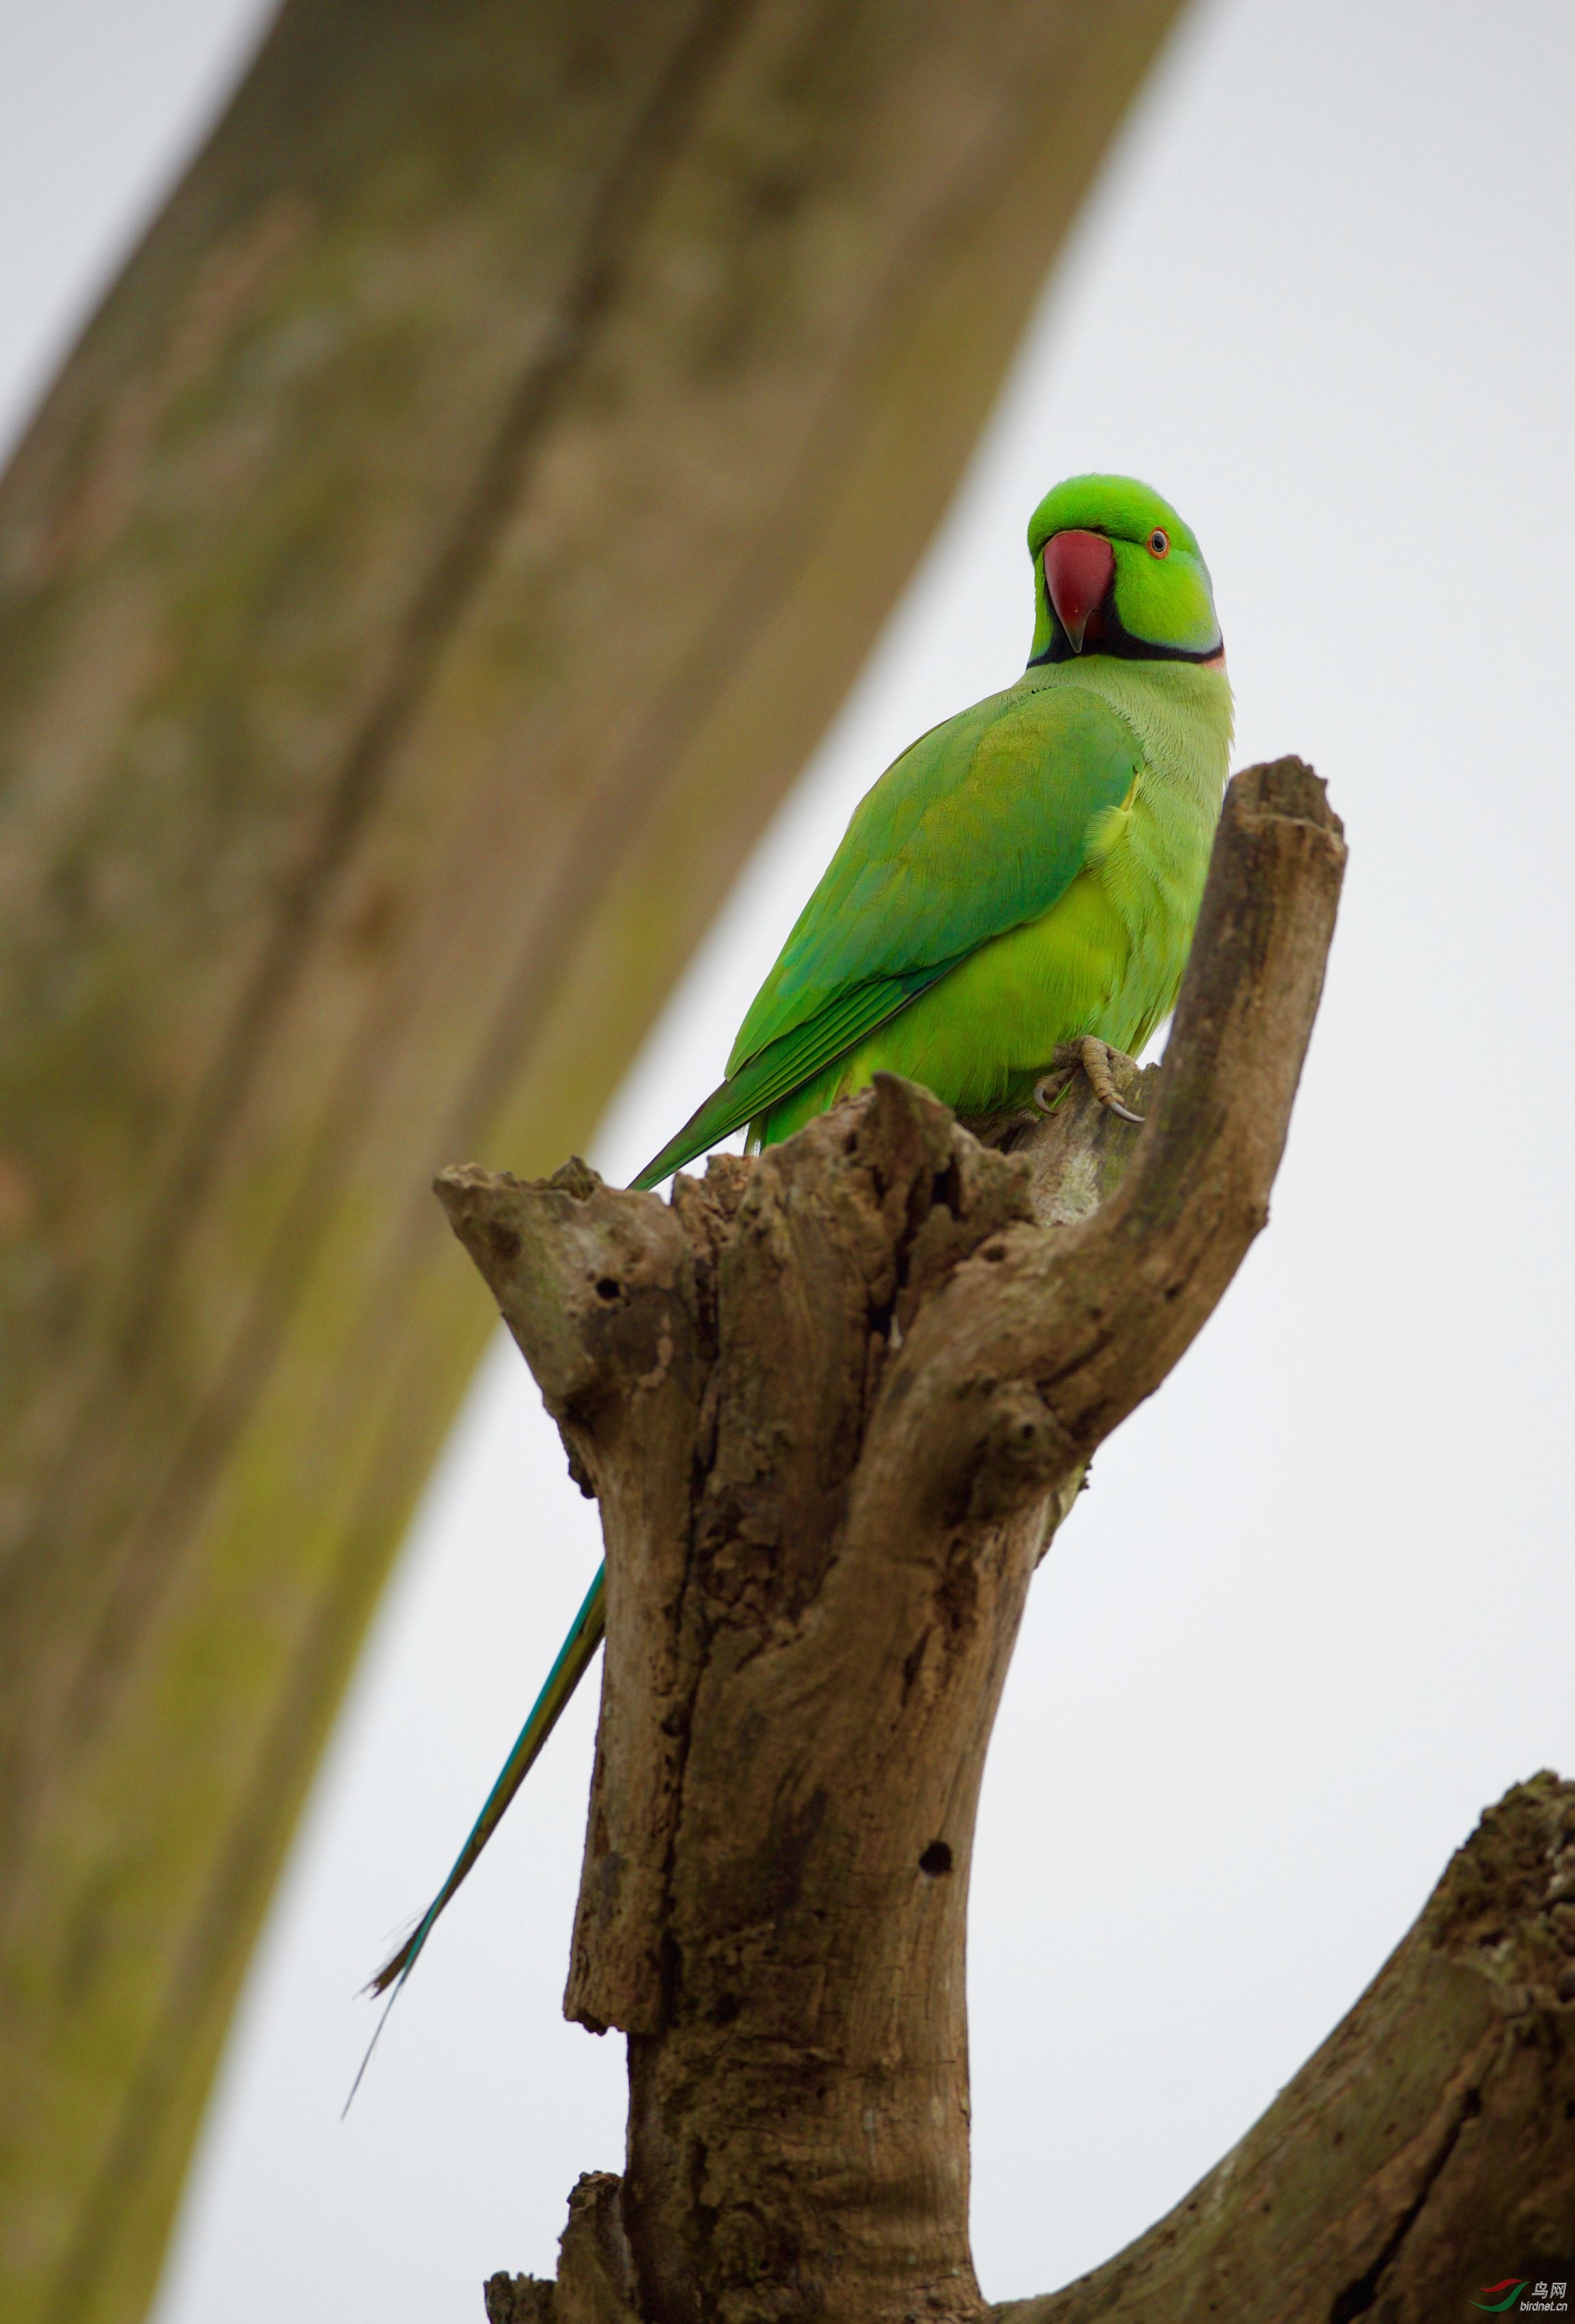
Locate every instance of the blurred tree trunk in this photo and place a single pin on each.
(442, 551)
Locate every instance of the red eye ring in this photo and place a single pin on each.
(1159, 542)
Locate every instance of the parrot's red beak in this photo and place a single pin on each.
(1079, 568)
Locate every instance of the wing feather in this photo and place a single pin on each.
(981, 826)
(784, 1066)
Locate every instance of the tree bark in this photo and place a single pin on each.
(428, 574)
(1427, 2150)
(834, 1402)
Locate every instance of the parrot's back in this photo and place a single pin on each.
(1119, 768)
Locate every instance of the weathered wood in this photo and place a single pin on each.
(1426, 2150)
(833, 1402)
(442, 549)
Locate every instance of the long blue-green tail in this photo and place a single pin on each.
(574, 1659)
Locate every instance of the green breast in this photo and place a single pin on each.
(1150, 858)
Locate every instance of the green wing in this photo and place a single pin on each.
(981, 826)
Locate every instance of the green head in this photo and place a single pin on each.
(1117, 572)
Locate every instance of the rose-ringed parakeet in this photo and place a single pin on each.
(1025, 876)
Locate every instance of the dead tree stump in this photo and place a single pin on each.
(833, 1402)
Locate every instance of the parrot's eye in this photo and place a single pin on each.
(1158, 542)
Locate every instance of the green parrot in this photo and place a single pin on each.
(1025, 875)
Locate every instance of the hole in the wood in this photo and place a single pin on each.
(727, 2008)
(936, 1860)
(608, 1287)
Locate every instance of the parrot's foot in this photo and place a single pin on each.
(1090, 1056)
(1094, 1057)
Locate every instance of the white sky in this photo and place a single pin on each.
(1319, 1608)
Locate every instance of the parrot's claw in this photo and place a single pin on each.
(1091, 1057)
(1094, 1057)
(1049, 1091)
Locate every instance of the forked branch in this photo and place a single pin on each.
(834, 1402)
